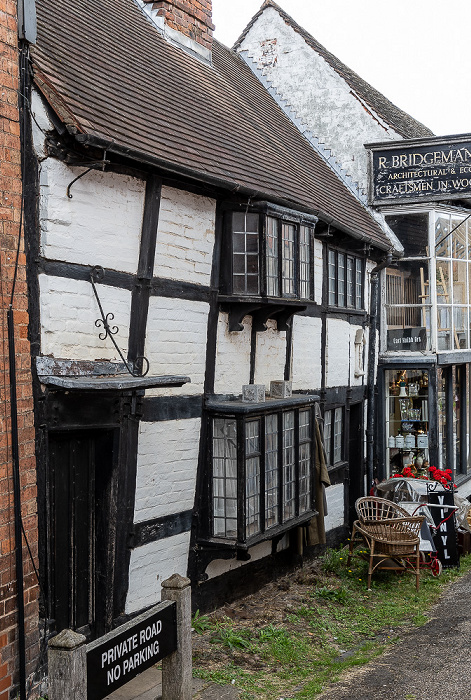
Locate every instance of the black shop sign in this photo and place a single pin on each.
(420, 171)
(121, 655)
(407, 339)
(445, 538)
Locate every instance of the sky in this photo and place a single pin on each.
(416, 52)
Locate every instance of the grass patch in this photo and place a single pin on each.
(299, 636)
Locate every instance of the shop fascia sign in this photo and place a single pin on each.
(420, 170)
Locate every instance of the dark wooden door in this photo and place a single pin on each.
(355, 458)
(80, 545)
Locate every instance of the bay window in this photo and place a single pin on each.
(261, 470)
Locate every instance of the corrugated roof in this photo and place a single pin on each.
(399, 120)
(107, 72)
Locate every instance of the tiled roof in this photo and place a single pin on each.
(108, 74)
(399, 120)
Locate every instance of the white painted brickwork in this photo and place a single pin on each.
(232, 357)
(100, 225)
(340, 356)
(150, 565)
(166, 468)
(69, 310)
(185, 237)
(40, 123)
(176, 342)
(318, 97)
(306, 353)
(270, 356)
(335, 507)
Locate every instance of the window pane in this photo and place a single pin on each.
(341, 279)
(252, 477)
(458, 243)
(304, 461)
(304, 262)
(328, 436)
(288, 259)
(359, 284)
(245, 257)
(442, 242)
(350, 281)
(338, 435)
(332, 278)
(272, 489)
(224, 481)
(289, 492)
(273, 285)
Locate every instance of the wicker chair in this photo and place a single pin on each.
(389, 532)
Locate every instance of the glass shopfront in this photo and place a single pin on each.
(407, 420)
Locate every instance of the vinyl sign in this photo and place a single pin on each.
(120, 656)
(445, 538)
(424, 171)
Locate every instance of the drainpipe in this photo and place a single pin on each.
(371, 407)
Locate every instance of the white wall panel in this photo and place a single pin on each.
(335, 507)
(339, 348)
(69, 310)
(270, 357)
(100, 225)
(306, 361)
(150, 565)
(176, 342)
(166, 468)
(185, 236)
(232, 356)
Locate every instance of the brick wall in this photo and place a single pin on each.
(190, 17)
(10, 200)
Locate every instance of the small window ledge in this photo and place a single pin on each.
(235, 406)
(261, 309)
(266, 536)
(121, 382)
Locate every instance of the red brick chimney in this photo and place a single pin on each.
(192, 18)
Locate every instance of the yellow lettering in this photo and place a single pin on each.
(382, 162)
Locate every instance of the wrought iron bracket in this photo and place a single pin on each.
(140, 366)
(98, 165)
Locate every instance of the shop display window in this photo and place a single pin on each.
(408, 306)
(407, 420)
(453, 251)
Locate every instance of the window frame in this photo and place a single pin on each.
(330, 442)
(266, 278)
(282, 523)
(344, 286)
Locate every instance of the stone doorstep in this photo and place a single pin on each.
(148, 686)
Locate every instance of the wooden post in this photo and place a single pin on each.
(177, 668)
(67, 662)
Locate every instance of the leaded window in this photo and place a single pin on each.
(333, 436)
(345, 280)
(271, 257)
(261, 472)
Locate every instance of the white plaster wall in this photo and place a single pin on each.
(166, 468)
(232, 356)
(357, 381)
(40, 123)
(68, 311)
(176, 342)
(185, 237)
(306, 358)
(221, 566)
(150, 565)
(318, 270)
(100, 225)
(340, 356)
(270, 356)
(335, 507)
(318, 96)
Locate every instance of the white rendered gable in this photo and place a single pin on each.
(315, 97)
